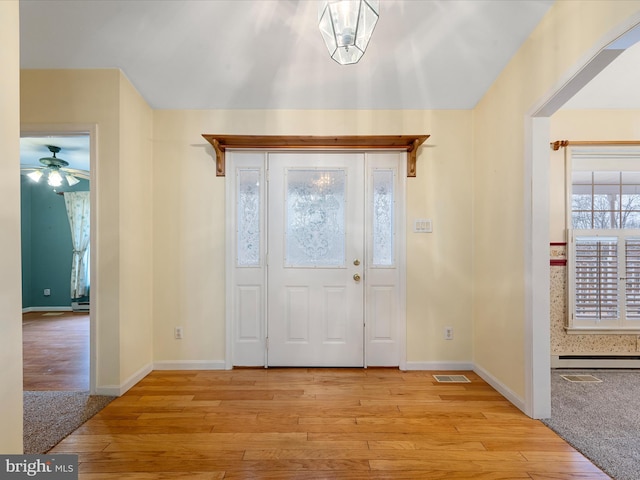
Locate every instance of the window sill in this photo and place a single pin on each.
(601, 331)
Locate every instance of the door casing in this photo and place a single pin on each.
(246, 287)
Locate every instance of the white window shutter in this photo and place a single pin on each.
(595, 291)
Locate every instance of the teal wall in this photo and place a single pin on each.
(46, 244)
(25, 209)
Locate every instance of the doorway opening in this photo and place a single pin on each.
(58, 232)
(537, 213)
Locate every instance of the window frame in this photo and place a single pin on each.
(602, 159)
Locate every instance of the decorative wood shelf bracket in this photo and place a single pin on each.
(409, 143)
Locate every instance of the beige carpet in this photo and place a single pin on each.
(601, 420)
(51, 416)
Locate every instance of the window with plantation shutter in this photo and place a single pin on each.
(604, 286)
(603, 192)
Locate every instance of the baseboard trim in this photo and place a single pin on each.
(46, 309)
(119, 390)
(439, 366)
(595, 362)
(190, 365)
(505, 391)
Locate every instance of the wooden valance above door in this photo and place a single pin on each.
(409, 143)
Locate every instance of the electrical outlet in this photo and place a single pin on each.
(177, 333)
(47, 292)
(448, 333)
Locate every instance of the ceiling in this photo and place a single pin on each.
(263, 54)
(269, 54)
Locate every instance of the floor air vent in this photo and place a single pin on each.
(581, 378)
(451, 379)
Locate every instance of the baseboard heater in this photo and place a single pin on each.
(595, 361)
(80, 306)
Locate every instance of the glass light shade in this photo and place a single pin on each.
(71, 180)
(36, 175)
(54, 179)
(346, 27)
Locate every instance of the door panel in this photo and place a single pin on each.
(315, 312)
(246, 259)
(385, 247)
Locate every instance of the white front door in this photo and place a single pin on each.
(315, 313)
(318, 215)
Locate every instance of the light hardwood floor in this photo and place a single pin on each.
(318, 424)
(55, 351)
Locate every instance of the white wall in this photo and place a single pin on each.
(10, 280)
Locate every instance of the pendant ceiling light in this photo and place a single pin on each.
(346, 27)
(54, 170)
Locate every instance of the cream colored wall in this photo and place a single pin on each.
(136, 242)
(560, 42)
(104, 98)
(189, 232)
(10, 284)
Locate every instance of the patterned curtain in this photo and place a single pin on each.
(78, 212)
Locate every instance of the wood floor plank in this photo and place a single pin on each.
(431, 444)
(486, 466)
(55, 351)
(569, 476)
(232, 445)
(156, 476)
(311, 424)
(372, 475)
(393, 454)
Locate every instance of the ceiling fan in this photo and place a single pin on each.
(55, 170)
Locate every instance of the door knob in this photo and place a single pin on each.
(356, 277)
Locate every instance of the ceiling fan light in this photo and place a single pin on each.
(36, 175)
(71, 180)
(54, 179)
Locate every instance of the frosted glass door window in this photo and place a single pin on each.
(248, 246)
(383, 206)
(315, 218)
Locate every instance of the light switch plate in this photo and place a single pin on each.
(422, 225)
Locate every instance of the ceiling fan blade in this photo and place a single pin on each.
(77, 173)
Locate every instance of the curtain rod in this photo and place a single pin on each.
(584, 143)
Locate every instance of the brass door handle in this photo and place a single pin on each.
(356, 277)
